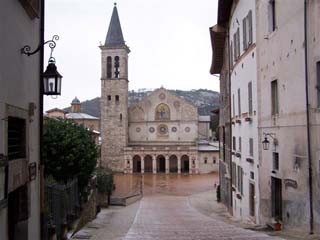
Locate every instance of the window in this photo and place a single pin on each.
(275, 161)
(109, 67)
(234, 143)
(117, 98)
(239, 144)
(16, 138)
(120, 116)
(233, 107)
(234, 174)
(214, 159)
(250, 97)
(109, 97)
(205, 160)
(240, 179)
(116, 67)
(252, 175)
(239, 103)
(251, 147)
(318, 83)
(274, 98)
(231, 54)
(236, 43)
(247, 31)
(272, 15)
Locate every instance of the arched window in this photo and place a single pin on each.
(109, 67)
(162, 112)
(116, 66)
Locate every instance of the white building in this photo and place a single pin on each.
(19, 121)
(243, 59)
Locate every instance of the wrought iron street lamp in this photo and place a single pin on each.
(266, 142)
(51, 77)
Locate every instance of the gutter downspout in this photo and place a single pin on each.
(230, 120)
(308, 116)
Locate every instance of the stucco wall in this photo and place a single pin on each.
(314, 57)
(19, 78)
(245, 71)
(212, 164)
(281, 58)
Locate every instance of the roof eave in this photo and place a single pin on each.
(218, 36)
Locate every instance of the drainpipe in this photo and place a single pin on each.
(230, 120)
(41, 167)
(308, 113)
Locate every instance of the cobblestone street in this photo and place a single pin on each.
(171, 217)
(173, 207)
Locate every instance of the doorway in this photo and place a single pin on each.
(18, 213)
(276, 198)
(251, 199)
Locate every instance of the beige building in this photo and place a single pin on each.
(20, 109)
(161, 133)
(285, 160)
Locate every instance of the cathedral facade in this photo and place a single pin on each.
(162, 133)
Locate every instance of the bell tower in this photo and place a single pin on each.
(114, 96)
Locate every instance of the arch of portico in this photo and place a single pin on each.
(173, 164)
(136, 168)
(161, 162)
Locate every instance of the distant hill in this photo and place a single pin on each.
(204, 99)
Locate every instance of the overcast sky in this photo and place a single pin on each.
(169, 42)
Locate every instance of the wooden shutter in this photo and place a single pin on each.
(231, 54)
(238, 43)
(244, 22)
(251, 147)
(239, 103)
(233, 106)
(318, 83)
(250, 97)
(235, 47)
(250, 27)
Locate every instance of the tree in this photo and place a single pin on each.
(69, 151)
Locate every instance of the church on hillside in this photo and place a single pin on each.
(162, 133)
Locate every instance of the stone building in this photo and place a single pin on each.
(160, 133)
(20, 108)
(285, 128)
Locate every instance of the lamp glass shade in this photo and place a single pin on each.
(265, 144)
(51, 80)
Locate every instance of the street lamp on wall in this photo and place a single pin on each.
(266, 142)
(51, 77)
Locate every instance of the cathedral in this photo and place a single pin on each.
(162, 133)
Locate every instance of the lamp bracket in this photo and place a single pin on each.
(52, 44)
(272, 135)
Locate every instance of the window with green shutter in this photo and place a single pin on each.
(250, 97)
(318, 83)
